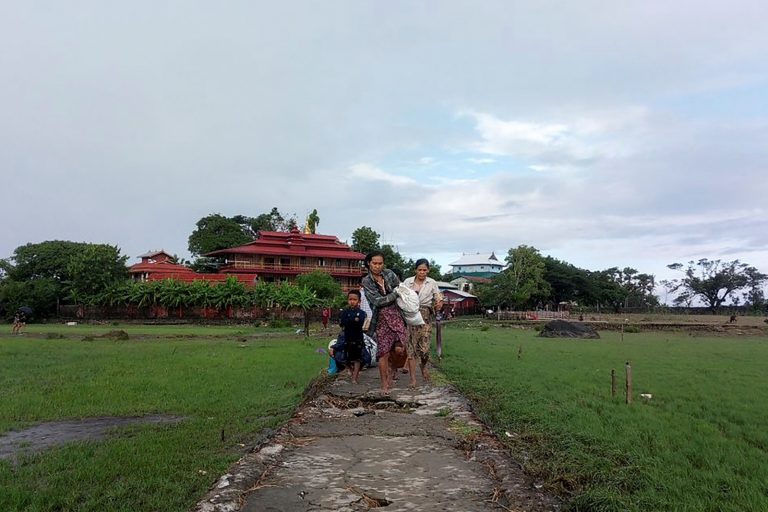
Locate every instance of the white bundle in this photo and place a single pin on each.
(408, 302)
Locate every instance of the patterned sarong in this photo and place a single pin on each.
(390, 328)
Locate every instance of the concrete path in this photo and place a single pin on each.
(352, 449)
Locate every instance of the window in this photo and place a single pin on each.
(339, 263)
(285, 262)
(320, 262)
(269, 262)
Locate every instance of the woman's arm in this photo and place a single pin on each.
(437, 297)
(374, 296)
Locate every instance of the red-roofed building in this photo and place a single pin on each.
(280, 256)
(157, 265)
(274, 256)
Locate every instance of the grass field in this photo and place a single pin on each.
(159, 330)
(223, 387)
(699, 444)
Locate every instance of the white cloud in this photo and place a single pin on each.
(372, 173)
(586, 137)
(482, 161)
(637, 151)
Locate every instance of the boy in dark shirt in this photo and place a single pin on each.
(352, 320)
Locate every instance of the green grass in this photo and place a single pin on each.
(159, 330)
(217, 384)
(699, 444)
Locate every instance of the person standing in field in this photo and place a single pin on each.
(387, 325)
(19, 321)
(326, 315)
(420, 336)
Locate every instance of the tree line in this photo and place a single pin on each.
(532, 280)
(43, 275)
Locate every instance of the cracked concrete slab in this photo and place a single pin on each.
(351, 449)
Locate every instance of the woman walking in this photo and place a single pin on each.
(387, 325)
(420, 336)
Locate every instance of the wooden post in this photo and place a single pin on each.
(622, 332)
(629, 382)
(520, 352)
(613, 383)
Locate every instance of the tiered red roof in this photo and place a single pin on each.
(295, 243)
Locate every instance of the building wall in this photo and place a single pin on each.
(495, 269)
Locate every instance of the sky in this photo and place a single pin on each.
(602, 133)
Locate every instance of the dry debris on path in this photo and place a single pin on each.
(352, 449)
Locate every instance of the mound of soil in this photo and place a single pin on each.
(119, 335)
(564, 329)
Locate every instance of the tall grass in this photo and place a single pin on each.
(224, 388)
(699, 444)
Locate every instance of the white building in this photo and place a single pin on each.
(481, 265)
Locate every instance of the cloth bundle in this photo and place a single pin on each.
(408, 302)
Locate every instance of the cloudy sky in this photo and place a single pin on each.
(603, 133)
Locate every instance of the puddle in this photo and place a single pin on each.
(47, 435)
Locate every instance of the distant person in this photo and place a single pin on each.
(387, 325)
(326, 315)
(420, 336)
(19, 321)
(352, 320)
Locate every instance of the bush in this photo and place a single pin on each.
(280, 323)
(632, 329)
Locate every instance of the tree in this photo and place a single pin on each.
(521, 284)
(434, 270)
(42, 274)
(568, 283)
(526, 272)
(216, 232)
(608, 288)
(272, 221)
(754, 296)
(45, 259)
(175, 294)
(365, 240)
(325, 287)
(624, 288)
(94, 269)
(313, 221)
(299, 297)
(394, 261)
(229, 294)
(714, 281)
(40, 294)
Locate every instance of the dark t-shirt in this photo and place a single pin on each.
(352, 321)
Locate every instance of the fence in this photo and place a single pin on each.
(528, 315)
(180, 314)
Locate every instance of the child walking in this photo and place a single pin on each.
(352, 320)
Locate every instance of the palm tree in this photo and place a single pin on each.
(174, 294)
(299, 297)
(201, 294)
(229, 294)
